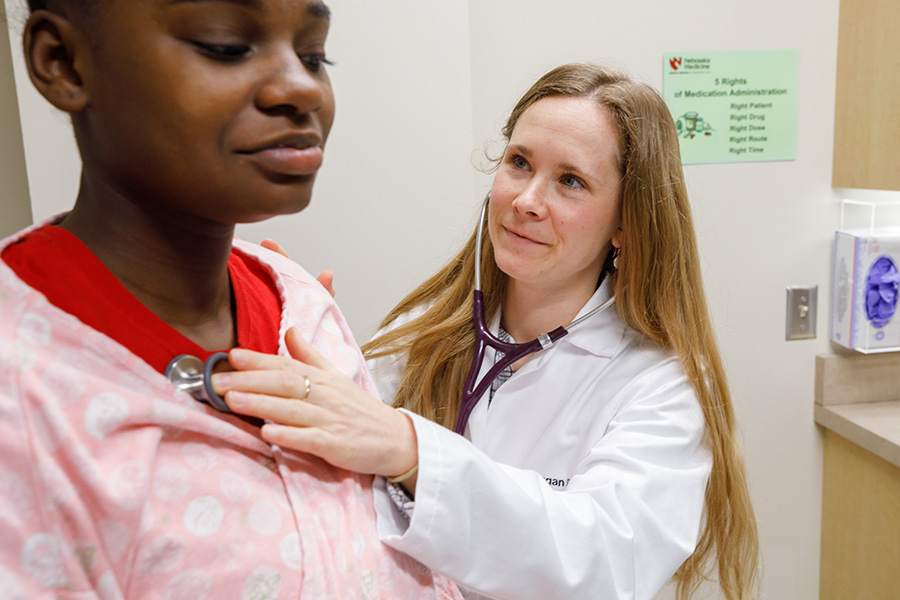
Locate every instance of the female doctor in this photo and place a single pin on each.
(598, 467)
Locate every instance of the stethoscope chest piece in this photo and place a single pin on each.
(191, 375)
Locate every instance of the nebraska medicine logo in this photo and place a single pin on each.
(682, 64)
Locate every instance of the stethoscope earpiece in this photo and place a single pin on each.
(189, 374)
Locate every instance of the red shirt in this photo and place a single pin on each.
(56, 263)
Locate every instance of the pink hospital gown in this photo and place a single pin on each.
(112, 485)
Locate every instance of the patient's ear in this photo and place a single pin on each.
(54, 48)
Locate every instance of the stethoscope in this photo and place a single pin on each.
(190, 374)
(473, 389)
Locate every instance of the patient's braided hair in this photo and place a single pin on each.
(55, 5)
(84, 10)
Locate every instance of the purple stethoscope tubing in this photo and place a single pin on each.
(473, 389)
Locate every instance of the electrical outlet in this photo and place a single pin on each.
(801, 312)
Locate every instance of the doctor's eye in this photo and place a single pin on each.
(223, 52)
(571, 181)
(518, 162)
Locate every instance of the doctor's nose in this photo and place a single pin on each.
(532, 200)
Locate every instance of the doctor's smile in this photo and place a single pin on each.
(521, 237)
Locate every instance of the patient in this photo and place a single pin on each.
(190, 116)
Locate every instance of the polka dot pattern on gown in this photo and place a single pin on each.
(115, 486)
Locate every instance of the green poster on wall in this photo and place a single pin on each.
(733, 106)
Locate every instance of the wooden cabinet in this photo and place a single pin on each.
(867, 101)
(858, 406)
(860, 524)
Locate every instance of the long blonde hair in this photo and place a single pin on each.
(659, 293)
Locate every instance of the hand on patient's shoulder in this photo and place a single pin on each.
(274, 246)
(325, 278)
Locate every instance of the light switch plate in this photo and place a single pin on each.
(801, 312)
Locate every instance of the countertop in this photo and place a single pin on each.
(858, 397)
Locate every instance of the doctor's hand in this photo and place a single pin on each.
(325, 278)
(317, 409)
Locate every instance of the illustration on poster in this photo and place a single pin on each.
(691, 124)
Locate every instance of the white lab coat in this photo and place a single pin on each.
(585, 477)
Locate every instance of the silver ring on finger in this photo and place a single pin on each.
(308, 388)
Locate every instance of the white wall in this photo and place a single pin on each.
(422, 85)
(15, 209)
(51, 157)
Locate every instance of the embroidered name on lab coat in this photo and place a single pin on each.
(557, 483)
